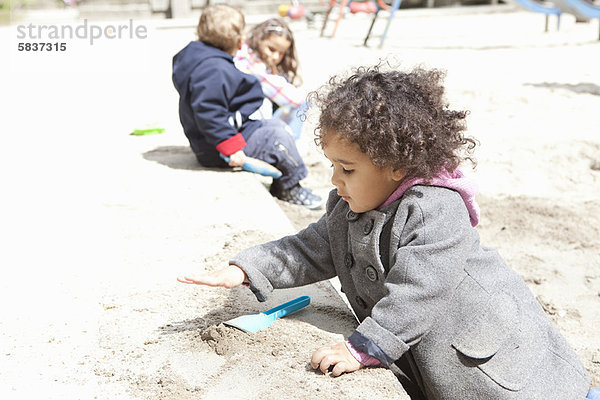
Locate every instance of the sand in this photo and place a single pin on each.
(97, 224)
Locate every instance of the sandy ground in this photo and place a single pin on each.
(97, 224)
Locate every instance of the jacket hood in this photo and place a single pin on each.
(190, 57)
(456, 180)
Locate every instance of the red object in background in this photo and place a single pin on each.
(368, 7)
(296, 11)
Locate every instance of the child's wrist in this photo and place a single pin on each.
(245, 280)
(363, 358)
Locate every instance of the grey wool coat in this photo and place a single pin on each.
(423, 286)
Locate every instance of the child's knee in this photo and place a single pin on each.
(284, 134)
(276, 124)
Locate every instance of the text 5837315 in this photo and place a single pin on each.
(41, 46)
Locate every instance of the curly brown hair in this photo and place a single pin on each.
(399, 119)
(276, 26)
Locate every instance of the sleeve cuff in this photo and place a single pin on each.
(387, 348)
(361, 357)
(257, 282)
(232, 145)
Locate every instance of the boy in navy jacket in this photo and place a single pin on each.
(219, 107)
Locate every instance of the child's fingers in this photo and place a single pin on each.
(229, 277)
(201, 280)
(188, 280)
(324, 358)
(325, 363)
(335, 359)
(317, 357)
(339, 368)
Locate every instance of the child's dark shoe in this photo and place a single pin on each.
(298, 195)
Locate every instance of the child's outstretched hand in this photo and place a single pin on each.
(229, 277)
(337, 356)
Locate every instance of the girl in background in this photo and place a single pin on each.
(270, 54)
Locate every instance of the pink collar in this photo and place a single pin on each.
(467, 188)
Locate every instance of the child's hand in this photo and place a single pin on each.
(229, 277)
(237, 159)
(337, 356)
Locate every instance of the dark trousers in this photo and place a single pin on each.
(271, 143)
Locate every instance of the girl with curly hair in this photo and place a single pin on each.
(269, 53)
(399, 234)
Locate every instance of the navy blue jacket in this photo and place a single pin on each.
(211, 91)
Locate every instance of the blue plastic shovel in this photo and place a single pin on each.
(258, 167)
(256, 322)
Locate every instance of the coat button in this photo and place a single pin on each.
(348, 260)
(361, 302)
(371, 273)
(352, 216)
(368, 227)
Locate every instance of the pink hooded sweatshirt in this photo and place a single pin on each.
(467, 188)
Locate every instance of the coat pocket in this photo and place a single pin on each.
(502, 342)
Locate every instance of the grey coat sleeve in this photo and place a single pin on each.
(426, 268)
(292, 261)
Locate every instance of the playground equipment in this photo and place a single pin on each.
(586, 9)
(566, 7)
(547, 10)
(395, 6)
(369, 7)
(581, 9)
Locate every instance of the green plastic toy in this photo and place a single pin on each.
(148, 131)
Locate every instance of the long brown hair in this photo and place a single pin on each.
(275, 26)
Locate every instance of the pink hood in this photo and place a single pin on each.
(456, 180)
